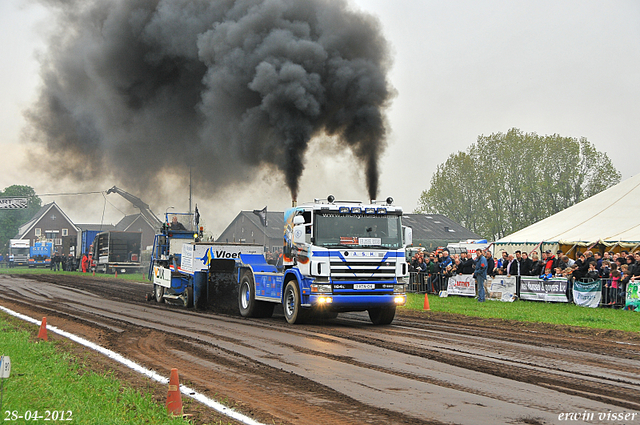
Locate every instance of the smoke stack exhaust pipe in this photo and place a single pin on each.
(294, 203)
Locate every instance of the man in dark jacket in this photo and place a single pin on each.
(526, 265)
(467, 265)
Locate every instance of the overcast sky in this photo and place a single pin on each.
(461, 69)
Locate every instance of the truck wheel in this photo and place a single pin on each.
(247, 296)
(382, 315)
(247, 303)
(293, 312)
(187, 301)
(158, 292)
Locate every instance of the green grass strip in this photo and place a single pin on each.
(138, 277)
(531, 311)
(45, 378)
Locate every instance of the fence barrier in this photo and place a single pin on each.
(585, 292)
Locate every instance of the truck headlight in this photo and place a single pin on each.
(399, 289)
(320, 288)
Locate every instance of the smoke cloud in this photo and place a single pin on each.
(138, 90)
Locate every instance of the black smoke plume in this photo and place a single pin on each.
(139, 90)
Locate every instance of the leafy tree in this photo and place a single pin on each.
(11, 220)
(505, 182)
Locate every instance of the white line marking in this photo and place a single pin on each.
(140, 369)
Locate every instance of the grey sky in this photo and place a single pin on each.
(461, 69)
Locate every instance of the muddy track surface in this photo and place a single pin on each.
(424, 368)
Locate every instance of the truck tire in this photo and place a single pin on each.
(247, 303)
(293, 312)
(188, 299)
(158, 293)
(382, 315)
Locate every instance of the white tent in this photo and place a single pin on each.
(612, 217)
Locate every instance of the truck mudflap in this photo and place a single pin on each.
(218, 291)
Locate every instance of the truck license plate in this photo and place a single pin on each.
(364, 286)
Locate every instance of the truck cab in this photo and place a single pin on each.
(345, 256)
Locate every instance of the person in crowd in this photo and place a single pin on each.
(467, 264)
(526, 265)
(516, 268)
(598, 257)
(613, 283)
(502, 261)
(431, 271)
(614, 257)
(84, 263)
(548, 274)
(580, 267)
(480, 274)
(491, 263)
(562, 265)
(635, 272)
(550, 261)
(624, 280)
(443, 264)
(592, 272)
(509, 267)
(605, 270)
(536, 265)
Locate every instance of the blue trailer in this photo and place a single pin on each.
(338, 257)
(87, 240)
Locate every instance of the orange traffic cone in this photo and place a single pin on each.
(43, 329)
(174, 399)
(426, 302)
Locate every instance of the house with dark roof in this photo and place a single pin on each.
(247, 227)
(434, 230)
(49, 224)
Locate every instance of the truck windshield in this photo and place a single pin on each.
(20, 251)
(358, 230)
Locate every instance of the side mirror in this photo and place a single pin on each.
(407, 235)
(298, 220)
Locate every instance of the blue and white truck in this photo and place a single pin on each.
(40, 254)
(338, 257)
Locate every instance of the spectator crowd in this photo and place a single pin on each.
(616, 270)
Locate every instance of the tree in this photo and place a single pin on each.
(11, 220)
(505, 182)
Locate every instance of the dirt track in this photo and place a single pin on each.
(425, 368)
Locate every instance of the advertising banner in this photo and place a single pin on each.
(633, 296)
(587, 294)
(462, 284)
(501, 288)
(551, 290)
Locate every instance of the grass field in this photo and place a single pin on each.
(529, 311)
(51, 382)
(138, 277)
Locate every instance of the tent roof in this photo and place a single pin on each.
(609, 216)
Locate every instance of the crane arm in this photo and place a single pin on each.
(138, 203)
